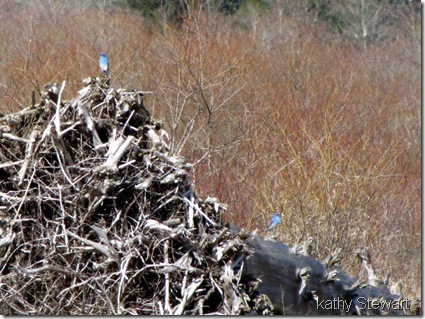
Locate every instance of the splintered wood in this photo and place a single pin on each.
(99, 217)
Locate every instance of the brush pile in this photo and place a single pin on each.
(97, 217)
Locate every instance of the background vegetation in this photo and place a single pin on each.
(309, 108)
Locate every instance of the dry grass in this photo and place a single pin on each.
(278, 115)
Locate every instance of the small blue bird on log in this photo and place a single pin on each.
(273, 223)
(104, 64)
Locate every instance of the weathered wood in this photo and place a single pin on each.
(94, 207)
(301, 285)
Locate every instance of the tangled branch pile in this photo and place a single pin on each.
(98, 218)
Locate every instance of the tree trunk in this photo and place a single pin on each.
(301, 285)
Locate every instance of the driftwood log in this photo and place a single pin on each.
(97, 216)
(298, 284)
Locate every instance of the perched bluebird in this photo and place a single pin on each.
(104, 64)
(273, 223)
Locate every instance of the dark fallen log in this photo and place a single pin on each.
(301, 285)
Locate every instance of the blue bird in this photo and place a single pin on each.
(273, 223)
(104, 64)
